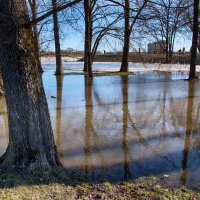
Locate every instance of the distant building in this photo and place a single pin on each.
(70, 50)
(155, 48)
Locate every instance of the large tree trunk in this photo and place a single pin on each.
(192, 74)
(31, 141)
(33, 5)
(127, 33)
(59, 70)
(88, 38)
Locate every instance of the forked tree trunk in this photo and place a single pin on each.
(31, 141)
(192, 74)
(59, 70)
(127, 33)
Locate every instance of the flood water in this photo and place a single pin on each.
(120, 128)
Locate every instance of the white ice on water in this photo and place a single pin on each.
(71, 64)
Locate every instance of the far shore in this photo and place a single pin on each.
(74, 66)
(133, 57)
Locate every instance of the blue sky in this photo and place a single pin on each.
(76, 41)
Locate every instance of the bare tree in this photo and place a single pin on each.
(34, 11)
(59, 70)
(165, 23)
(100, 21)
(132, 11)
(192, 74)
(88, 6)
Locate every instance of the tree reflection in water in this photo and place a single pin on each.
(189, 130)
(59, 89)
(125, 148)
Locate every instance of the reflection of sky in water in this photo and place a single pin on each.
(121, 128)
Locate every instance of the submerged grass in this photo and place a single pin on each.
(58, 183)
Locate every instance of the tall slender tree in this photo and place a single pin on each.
(192, 74)
(99, 21)
(132, 11)
(88, 36)
(59, 69)
(34, 10)
(127, 34)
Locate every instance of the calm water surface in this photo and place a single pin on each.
(122, 128)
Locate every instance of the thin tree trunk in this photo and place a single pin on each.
(192, 74)
(31, 142)
(36, 35)
(167, 38)
(59, 70)
(88, 38)
(127, 32)
(170, 53)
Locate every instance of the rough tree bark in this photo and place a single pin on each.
(127, 33)
(192, 74)
(31, 141)
(59, 70)
(1, 86)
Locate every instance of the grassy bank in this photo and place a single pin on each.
(58, 183)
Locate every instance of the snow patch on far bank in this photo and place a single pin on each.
(71, 64)
(52, 60)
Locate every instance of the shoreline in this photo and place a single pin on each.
(133, 57)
